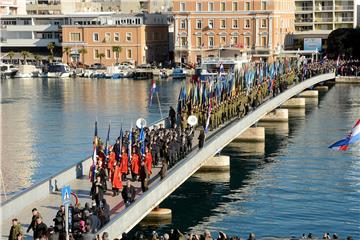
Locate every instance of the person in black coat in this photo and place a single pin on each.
(97, 191)
(201, 138)
(128, 193)
(172, 116)
(40, 229)
(144, 177)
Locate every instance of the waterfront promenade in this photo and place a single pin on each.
(158, 191)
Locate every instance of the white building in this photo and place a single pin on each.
(12, 7)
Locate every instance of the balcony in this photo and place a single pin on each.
(304, 9)
(327, 8)
(344, 8)
(37, 28)
(182, 47)
(324, 20)
(28, 42)
(344, 19)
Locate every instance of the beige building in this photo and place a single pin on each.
(143, 38)
(12, 7)
(317, 18)
(229, 27)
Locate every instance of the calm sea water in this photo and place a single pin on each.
(291, 184)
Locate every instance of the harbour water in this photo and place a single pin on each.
(291, 184)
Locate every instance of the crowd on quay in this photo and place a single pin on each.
(136, 152)
(348, 68)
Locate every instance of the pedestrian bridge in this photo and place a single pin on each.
(124, 219)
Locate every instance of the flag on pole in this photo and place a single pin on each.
(121, 139)
(107, 143)
(208, 118)
(130, 143)
(352, 138)
(142, 141)
(152, 91)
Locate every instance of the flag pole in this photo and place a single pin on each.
(157, 96)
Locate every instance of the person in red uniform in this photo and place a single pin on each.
(116, 181)
(124, 163)
(135, 164)
(148, 160)
(111, 164)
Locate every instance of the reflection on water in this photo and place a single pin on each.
(298, 185)
(48, 124)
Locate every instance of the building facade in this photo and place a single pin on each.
(12, 7)
(143, 38)
(216, 28)
(317, 18)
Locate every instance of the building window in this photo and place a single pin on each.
(263, 5)
(198, 7)
(182, 7)
(198, 42)
(222, 23)
(75, 37)
(235, 6)
(182, 24)
(211, 23)
(222, 40)
(247, 6)
(211, 42)
(235, 23)
(222, 7)
(247, 42)
(96, 54)
(95, 37)
(128, 36)
(234, 41)
(129, 54)
(107, 37)
(183, 41)
(108, 53)
(247, 23)
(116, 37)
(263, 23)
(263, 41)
(211, 7)
(198, 24)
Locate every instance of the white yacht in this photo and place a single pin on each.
(57, 70)
(27, 71)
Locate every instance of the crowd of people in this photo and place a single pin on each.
(137, 152)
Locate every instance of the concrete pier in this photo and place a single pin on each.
(294, 103)
(216, 163)
(253, 134)
(278, 115)
(159, 213)
(246, 148)
(322, 88)
(352, 80)
(309, 94)
(280, 128)
(297, 112)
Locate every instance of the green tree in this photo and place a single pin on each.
(50, 58)
(100, 56)
(51, 47)
(82, 51)
(67, 51)
(11, 55)
(37, 58)
(117, 50)
(342, 42)
(25, 54)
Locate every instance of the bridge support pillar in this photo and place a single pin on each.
(159, 214)
(216, 163)
(278, 115)
(253, 134)
(309, 94)
(322, 88)
(294, 103)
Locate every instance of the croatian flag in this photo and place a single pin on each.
(352, 138)
(152, 91)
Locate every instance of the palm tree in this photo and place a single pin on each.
(83, 51)
(37, 58)
(101, 56)
(11, 55)
(50, 58)
(117, 50)
(67, 51)
(25, 54)
(51, 47)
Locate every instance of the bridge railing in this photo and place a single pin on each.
(161, 189)
(48, 186)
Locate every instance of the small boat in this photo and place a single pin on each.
(178, 73)
(27, 71)
(7, 70)
(116, 72)
(142, 74)
(56, 70)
